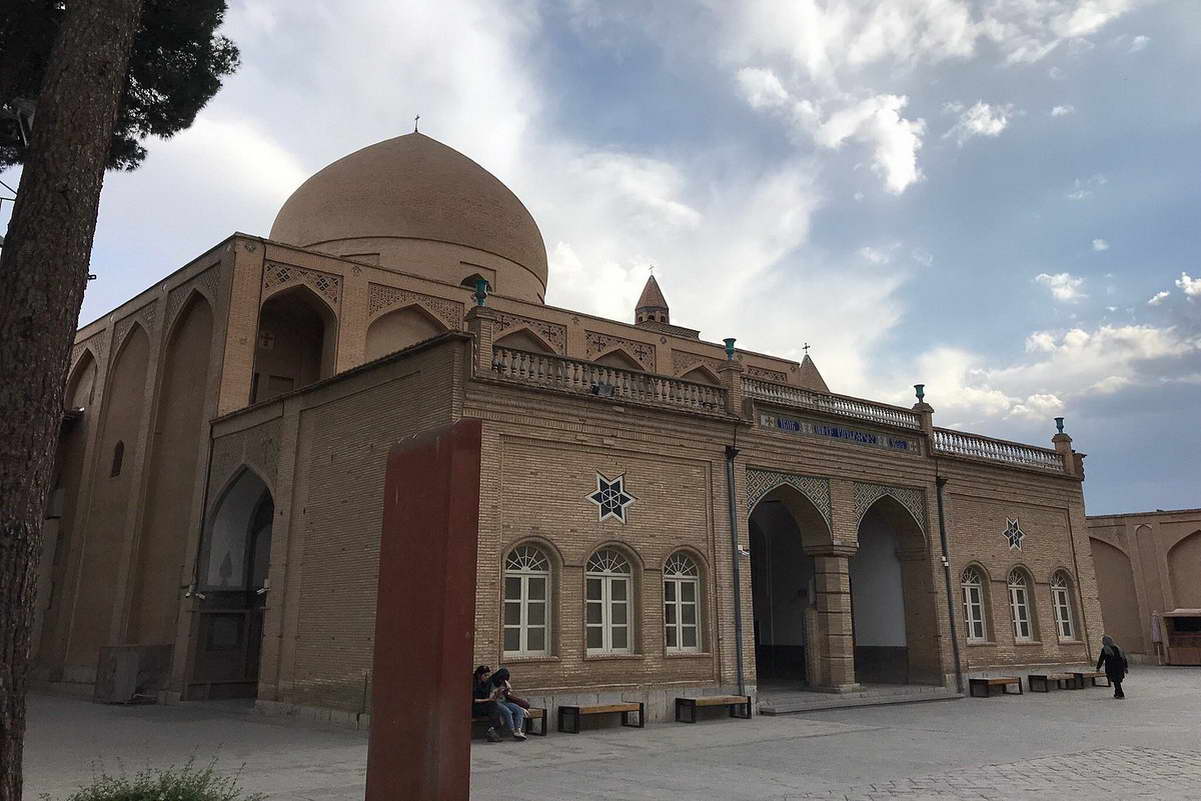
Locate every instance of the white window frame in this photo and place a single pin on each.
(609, 568)
(1061, 602)
(525, 564)
(680, 571)
(972, 583)
(1019, 606)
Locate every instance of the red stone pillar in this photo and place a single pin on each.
(420, 746)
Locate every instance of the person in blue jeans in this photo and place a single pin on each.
(481, 704)
(512, 716)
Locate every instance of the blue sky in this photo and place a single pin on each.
(987, 197)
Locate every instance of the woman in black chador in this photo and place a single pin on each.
(1115, 663)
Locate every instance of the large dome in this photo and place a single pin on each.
(418, 189)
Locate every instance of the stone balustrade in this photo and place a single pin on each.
(831, 404)
(957, 443)
(589, 378)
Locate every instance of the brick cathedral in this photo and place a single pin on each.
(659, 513)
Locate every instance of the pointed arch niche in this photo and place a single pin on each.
(1184, 565)
(526, 340)
(1119, 600)
(121, 418)
(400, 328)
(174, 453)
(892, 596)
(785, 524)
(297, 343)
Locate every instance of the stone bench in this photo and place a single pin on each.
(1092, 677)
(986, 684)
(1041, 682)
(739, 705)
(533, 713)
(574, 713)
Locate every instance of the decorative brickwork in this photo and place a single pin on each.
(381, 299)
(683, 361)
(912, 499)
(600, 344)
(277, 277)
(761, 482)
(147, 317)
(779, 376)
(206, 283)
(257, 448)
(551, 333)
(95, 343)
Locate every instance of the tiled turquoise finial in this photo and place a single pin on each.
(920, 390)
(1059, 424)
(729, 347)
(481, 291)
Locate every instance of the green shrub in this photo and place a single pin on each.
(187, 783)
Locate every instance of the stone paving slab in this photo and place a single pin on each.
(1053, 747)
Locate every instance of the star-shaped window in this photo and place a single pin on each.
(1014, 534)
(611, 498)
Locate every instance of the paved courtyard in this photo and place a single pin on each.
(1064, 745)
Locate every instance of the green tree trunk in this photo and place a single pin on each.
(43, 272)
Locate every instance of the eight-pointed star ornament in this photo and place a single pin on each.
(1014, 534)
(611, 498)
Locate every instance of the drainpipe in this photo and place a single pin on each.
(736, 557)
(941, 482)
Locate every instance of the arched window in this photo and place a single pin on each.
(1019, 604)
(681, 600)
(118, 458)
(973, 604)
(607, 592)
(527, 602)
(1061, 600)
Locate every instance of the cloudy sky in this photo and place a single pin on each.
(999, 199)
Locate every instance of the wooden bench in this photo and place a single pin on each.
(1092, 676)
(533, 713)
(573, 714)
(1041, 682)
(986, 684)
(740, 706)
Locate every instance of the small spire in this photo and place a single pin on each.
(651, 306)
(415, 121)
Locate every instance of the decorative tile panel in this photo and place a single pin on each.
(256, 447)
(147, 317)
(95, 343)
(913, 500)
(760, 482)
(277, 277)
(599, 344)
(553, 334)
(381, 299)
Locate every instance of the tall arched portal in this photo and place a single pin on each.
(892, 598)
(231, 575)
(784, 528)
(297, 343)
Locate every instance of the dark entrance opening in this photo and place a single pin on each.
(227, 629)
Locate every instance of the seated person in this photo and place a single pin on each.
(512, 714)
(482, 704)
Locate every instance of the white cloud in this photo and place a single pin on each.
(981, 119)
(1139, 43)
(1158, 298)
(1040, 341)
(1083, 189)
(1111, 384)
(761, 88)
(874, 255)
(1038, 406)
(1100, 244)
(1063, 111)
(922, 257)
(1064, 286)
(1190, 285)
(877, 122)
